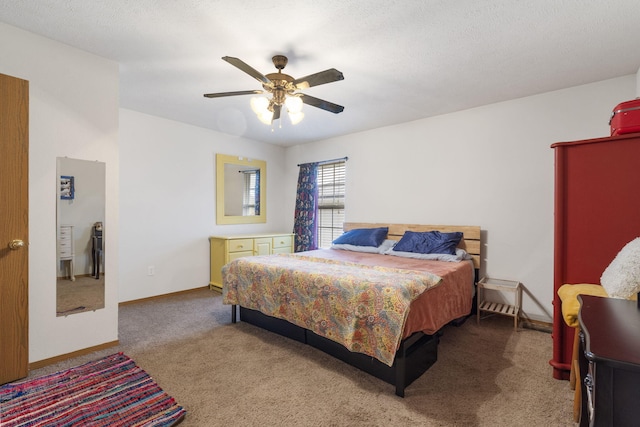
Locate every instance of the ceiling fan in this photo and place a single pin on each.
(283, 89)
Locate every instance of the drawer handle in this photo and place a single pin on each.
(240, 246)
(588, 382)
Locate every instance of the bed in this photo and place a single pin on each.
(378, 312)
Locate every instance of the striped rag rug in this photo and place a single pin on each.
(112, 391)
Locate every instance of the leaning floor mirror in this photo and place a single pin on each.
(80, 204)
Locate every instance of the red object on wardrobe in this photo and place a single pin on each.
(597, 212)
(625, 118)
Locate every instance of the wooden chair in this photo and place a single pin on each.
(570, 307)
(574, 376)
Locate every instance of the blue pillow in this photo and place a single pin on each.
(385, 246)
(430, 242)
(363, 237)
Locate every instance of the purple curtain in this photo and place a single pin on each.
(305, 225)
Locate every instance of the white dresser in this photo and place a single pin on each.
(225, 249)
(66, 251)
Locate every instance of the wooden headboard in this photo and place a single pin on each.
(470, 240)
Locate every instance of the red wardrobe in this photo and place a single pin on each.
(597, 212)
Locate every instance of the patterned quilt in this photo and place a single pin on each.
(361, 307)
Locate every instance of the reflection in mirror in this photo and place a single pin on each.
(240, 190)
(80, 195)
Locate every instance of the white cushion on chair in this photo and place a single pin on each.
(621, 279)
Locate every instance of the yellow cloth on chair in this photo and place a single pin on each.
(569, 296)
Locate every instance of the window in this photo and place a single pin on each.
(249, 193)
(331, 186)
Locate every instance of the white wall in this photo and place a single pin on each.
(73, 112)
(490, 166)
(167, 201)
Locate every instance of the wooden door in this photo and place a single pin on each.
(14, 218)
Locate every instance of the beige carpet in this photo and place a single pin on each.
(86, 293)
(225, 374)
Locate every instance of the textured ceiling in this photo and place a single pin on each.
(402, 59)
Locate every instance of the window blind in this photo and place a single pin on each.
(331, 195)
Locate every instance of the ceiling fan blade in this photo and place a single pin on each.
(326, 76)
(243, 66)
(276, 112)
(242, 92)
(321, 103)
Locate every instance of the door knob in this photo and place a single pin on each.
(16, 244)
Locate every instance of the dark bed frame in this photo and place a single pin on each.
(417, 353)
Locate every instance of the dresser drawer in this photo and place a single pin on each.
(282, 242)
(239, 254)
(286, 250)
(241, 245)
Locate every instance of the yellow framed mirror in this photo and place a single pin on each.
(241, 190)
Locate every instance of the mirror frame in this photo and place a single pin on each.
(221, 218)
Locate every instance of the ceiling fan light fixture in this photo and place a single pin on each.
(266, 117)
(296, 117)
(260, 105)
(294, 104)
(280, 90)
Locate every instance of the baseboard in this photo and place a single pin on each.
(62, 357)
(537, 325)
(171, 294)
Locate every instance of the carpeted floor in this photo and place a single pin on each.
(226, 374)
(86, 293)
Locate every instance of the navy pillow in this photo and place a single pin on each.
(363, 237)
(430, 242)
